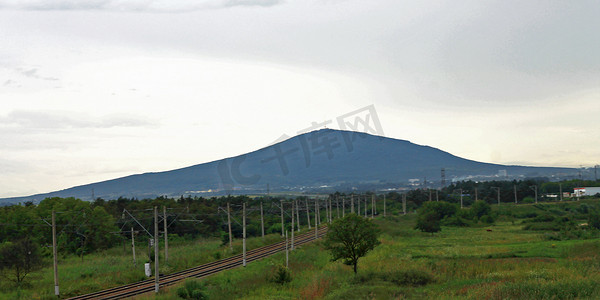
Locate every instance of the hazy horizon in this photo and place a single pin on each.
(96, 90)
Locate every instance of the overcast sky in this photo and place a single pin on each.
(97, 89)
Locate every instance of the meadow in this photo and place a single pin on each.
(499, 261)
(483, 261)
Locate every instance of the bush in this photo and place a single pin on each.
(192, 289)
(528, 199)
(481, 208)
(282, 275)
(487, 219)
(409, 277)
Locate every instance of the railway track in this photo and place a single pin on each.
(208, 269)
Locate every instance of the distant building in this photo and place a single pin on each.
(585, 191)
(502, 173)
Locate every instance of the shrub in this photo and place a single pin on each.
(192, 289)
(528, 199)
(409, 277)
(282, 275)
(487, 219)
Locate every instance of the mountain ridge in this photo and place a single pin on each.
(324, 157)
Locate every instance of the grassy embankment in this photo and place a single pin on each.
(458, 262)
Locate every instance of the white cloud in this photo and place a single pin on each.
(133, 5)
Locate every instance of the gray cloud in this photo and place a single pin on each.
(132, 5)
(33, 73)
(24, 119)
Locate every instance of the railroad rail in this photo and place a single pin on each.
(205, 270)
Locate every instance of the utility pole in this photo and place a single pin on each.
(384, 207)
(515, 190)
(316, 223)
(297, 214)
(352, 203)
(337, 206)
(330, 211)
(166, 235)
(498, 189)
(292, 226)
(317, 211)
(156, 275)
(326, 211)
(229, 225)
(343, 207)
(262, 221)
(560, 191)
(476, 196)
(281, 207)
(366, 206)
(133, 246)
(307, 214)
(404, 203)
(358, 206)
(461, 198)
(534, 187)
(372, 206)
(244, 234)
(429, 195)
(287, 255)
(437, 198)
(54, 254)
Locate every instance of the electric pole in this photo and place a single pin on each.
(262, 221)
(498, 189)
(337, 206)
(244, 234)
(316, 223)
(156, 275)
(281, 207)
(229, 225)
(133, 246)
(55, 254)
(287, 255)
(292, 226)
(560, 191)
(307, 214)
(352, 203)
(372, 206)
(384, 207)
(297, 214)
(166, 235)
(343, 207)
(534, 187)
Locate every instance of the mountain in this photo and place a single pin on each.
(325, 159)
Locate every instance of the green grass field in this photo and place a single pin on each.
(456, 263)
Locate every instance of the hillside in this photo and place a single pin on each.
(323, 158)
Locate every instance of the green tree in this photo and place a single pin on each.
(19, 258)
(351, 238)
(428, 221)
(481, 208)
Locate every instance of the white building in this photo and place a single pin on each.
(585, 191)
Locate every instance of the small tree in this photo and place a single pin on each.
(19, 259)
(350, 238)
(428, 221)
